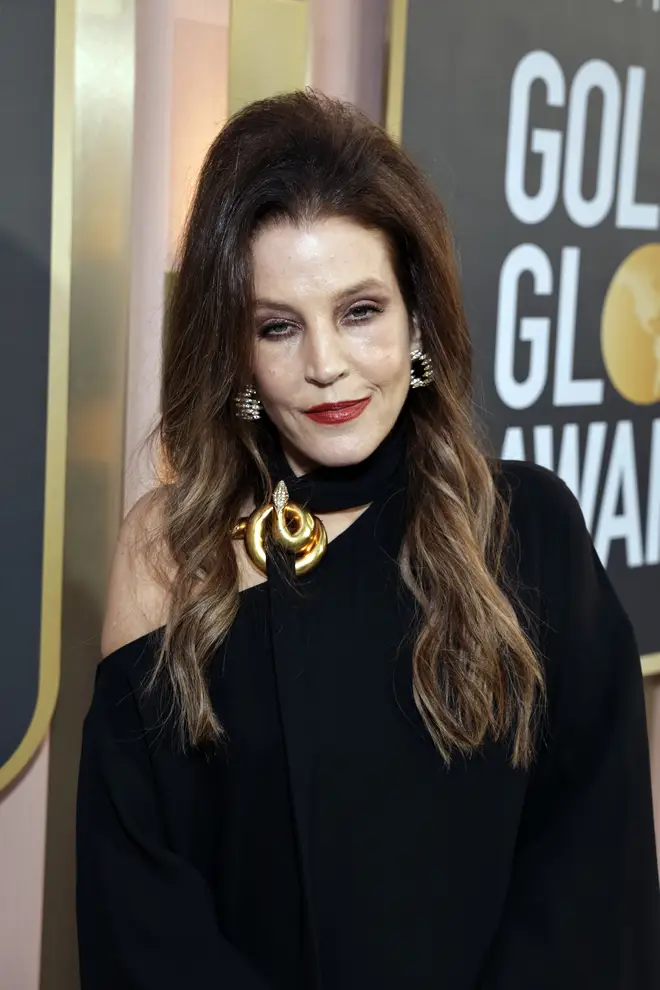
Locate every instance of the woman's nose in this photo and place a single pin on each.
(325, 359)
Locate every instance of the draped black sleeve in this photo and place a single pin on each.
(582, 909)
(146, 915)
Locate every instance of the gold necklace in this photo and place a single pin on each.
(293, 528)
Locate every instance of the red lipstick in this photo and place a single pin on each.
(329, 413)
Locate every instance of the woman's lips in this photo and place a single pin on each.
(337, 412)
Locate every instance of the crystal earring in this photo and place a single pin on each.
(248, 405)
(425, 375)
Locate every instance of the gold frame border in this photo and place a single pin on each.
(58, 393)
(280, 49)
(396, 67)
(651, 664)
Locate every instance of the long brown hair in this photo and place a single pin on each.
(303, 156)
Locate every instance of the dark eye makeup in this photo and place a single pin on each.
(358, 313)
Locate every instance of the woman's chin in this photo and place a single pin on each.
(339, 451)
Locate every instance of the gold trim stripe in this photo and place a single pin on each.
(396, 67)
(58, 373)
(651, 664)
(268, 49)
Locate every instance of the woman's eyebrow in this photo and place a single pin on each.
(365, 285)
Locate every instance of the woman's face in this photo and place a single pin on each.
(333, 340)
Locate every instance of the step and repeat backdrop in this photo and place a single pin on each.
(538, 121)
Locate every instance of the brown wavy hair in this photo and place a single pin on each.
(303, 156)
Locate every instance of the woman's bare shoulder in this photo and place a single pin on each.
(138, 590)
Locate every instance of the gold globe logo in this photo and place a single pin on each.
(630, 327)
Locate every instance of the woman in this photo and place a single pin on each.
(389, 734)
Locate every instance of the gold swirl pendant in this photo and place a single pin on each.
(293, 528)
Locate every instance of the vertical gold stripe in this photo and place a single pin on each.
(651, 664)
(102, 104)
(267, 49)
(396, 67)
(57, 400)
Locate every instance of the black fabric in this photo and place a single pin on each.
(332, 489)
(321, 490)
(480, 877)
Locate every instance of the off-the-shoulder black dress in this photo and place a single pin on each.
(326, 846)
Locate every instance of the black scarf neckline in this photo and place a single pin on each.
(331, 489)
(295, 624)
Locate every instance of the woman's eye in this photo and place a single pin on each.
(362, 312)
(357, 314)
(275, 330)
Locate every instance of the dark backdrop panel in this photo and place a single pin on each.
(461, 59)
(26, 133)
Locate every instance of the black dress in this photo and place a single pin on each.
(328, 848)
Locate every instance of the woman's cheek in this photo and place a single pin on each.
(274, 375)
(379, 363)
(386, 344)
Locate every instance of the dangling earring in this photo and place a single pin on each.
(425, 375)
(248, 405)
